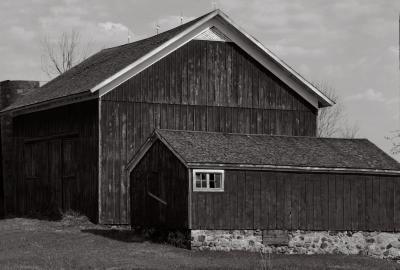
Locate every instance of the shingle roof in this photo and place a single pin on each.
(98, 67)
(241, 149)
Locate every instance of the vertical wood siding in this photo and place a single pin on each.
(305, 201)
(163, 175)
(55, 162)
(204, 86)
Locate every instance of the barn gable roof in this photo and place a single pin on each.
(80, 79)
(212, 149)
(108, 68)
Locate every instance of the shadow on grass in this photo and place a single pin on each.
(127, 236)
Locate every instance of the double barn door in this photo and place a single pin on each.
(50, 182)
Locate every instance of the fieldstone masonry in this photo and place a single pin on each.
(375, 244)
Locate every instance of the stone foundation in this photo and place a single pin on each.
(376, 244)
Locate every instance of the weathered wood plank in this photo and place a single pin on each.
(347, 206)
(295, 200)
(376, 202)
(302, 202)
(287, 202)
(310, 202)
(280, 201)
(256, 176)
(332, 202)
(396, 203)
(249, 200)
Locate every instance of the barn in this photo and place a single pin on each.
(80, 142)
(213, 181)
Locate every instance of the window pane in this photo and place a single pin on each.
(212, 183)
(204, 183)
(208, 181)
(198, 183)
(217, 180)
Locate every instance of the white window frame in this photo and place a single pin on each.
(208, 189)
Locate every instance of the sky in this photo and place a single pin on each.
(350, 45)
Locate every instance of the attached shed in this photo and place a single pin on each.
(224, 181)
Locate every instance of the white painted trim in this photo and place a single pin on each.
(268, 62)
(237, 35)
(208, 172)
(324, 98)
(152, 57)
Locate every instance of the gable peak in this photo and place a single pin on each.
(212, 34)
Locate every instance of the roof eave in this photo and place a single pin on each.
(49, 104)
(290, 168)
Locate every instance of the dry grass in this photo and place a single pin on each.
(75, 243)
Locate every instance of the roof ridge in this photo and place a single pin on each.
(161, 33)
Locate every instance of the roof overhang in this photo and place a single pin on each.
(237, 35)
(50, 104)
(281, 168)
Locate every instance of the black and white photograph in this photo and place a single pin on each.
(208, 134)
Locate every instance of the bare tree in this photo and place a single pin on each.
(62, 53)
(395, 140)
(349, 130)
(332, 121)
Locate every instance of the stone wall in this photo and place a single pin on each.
(376, 244)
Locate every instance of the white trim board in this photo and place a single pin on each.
(246, 42)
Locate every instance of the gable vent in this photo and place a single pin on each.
(212, 34)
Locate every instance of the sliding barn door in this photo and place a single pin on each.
(55, 150)
(70, 188)
(37, 185)
(50, 182)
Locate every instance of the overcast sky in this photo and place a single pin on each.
(352, 44)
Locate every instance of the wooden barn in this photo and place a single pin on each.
(74, 142)
(200, 180)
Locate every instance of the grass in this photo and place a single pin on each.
(75, 243)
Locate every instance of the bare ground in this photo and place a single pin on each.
(75, 243)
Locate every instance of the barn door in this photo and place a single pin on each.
(69, 186)
(156, 198)
(55, 173)
(37, 187)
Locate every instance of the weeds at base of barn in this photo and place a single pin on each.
(75, 243)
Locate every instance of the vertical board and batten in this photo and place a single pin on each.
(300, 201)
(159, 188)
(55, 162)
(202, 86)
